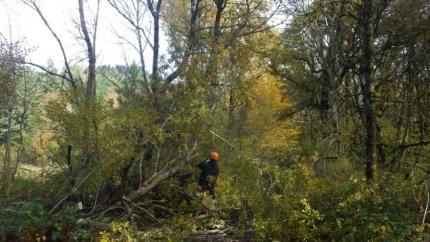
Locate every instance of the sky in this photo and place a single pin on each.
(19, 22)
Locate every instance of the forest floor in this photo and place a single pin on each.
(32, 171)
(27, 170)
(217, 238)
(209, 225)
(217, 235)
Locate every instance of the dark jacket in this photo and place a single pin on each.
(208, 175)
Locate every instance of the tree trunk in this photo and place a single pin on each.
(367, 87)
(156, 46)
(162, 175)
(194, 13)
(231, 109)
(91, 52)
(7, 151)
(324, 104)
(155, 12)
(336, 123)
(90, 95)
(213, 58)
(142, 60)
(381, 151)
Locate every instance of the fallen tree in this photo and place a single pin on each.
(163, 174)
(129, 205)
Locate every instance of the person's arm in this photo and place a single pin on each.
(216, 170)
(201, 165)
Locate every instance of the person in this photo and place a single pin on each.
(209, 174)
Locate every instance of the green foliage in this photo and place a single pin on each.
(119, 232)
(124, 231)
(30, 221)
(295, 204)
(11, 68)
(294, 187)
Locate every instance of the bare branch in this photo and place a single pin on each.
(427, 203)
(163, 175)
(195, 12)
(47, 71)
(32, 4)
(74, 189)
(125, 13)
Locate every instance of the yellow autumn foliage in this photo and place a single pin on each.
(273, 137)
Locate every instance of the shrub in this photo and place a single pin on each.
(29, 221)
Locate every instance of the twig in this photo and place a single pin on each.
(46, 70)
(164, 208)
(74, 189)
(427, 204)
(108, 210)
(232, 146)
(417, 166)
(164, 174)
(140, 208)
(403, 146)
(33, 5)
(95, 204)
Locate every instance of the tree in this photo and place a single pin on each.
(134, 12)
(366, 83)
(317, 54)
(86, 105)
(11, 69)
(199, 40)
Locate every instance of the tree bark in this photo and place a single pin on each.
(91, 52)
(366, 81)
(90, 96)
(142, 60)
(156, 47)
(324, 103)
(162, 175)
(155, 12)
(336, 123)
(213, 58)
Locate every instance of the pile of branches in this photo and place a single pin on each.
(133, 206)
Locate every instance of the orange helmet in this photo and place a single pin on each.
(214, 155)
